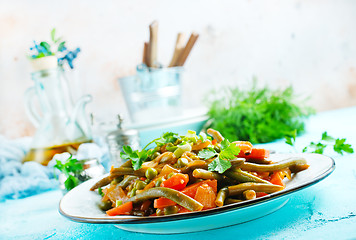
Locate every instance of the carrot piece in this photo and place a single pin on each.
(260, 194)
(245, 146)
(123, 209)
(206, 196)
(277, 179)
(256, 153)
(163, 202)
(214, 141)
(177, 181)
(192, 189)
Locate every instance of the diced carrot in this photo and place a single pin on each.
(256, 153)
(192, 189)
(277, 179)
(260, 194)
(163, 202)
(124, 209)
(145, 205)
(177, 181)
(206, 196)
(245, 146)
(213, 141)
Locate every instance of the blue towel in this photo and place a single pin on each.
(19, 180)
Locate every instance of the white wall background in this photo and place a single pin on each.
(309, 44)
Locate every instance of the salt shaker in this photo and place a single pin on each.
(119, 138)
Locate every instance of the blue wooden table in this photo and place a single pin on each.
(326, 210)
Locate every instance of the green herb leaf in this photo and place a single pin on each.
(219, 165)
(53, 35)
(71, 182)
(137, 157)
(340, 146)
(290, 138)
(168, 137)
(46, 46)
(228, 150)
(207, 153)
(317, 147)
(61, 46)
(327, 138)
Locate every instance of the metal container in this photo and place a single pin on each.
(119, 138)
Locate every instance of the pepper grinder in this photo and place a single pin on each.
(119, 138)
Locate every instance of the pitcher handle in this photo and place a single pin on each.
(33, 114)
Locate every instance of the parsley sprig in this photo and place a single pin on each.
(221, 163)
(339, 144)
(72, 169)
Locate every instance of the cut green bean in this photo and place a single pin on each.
(205, 174)
(174, 195)
(221, 196)
(249, 194)
(257, 187)
(127, 171)
(103, 182)
(295, 164)
(242, 176)
(126, 181)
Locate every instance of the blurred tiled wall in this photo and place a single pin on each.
(309, 44)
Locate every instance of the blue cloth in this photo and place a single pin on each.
(19, 180)
(326, 210)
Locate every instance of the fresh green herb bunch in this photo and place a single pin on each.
(73, 170)
(257, 115)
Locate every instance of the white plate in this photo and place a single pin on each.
(80, 204)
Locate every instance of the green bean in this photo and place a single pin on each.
(127, 171)
(194, 165)
(140, 185)
(241, 176)
(101, 183)
(258, 187)
(128, 164)
(126, 181)
(205, 174)
(182, 162)
(295, 164)
(221, 196)
(174, 195)
(249, 194)
(237, 162)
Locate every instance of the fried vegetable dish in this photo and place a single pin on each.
(191, 173)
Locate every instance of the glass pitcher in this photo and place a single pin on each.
(61, 123)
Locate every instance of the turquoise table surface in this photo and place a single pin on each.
(326, 210)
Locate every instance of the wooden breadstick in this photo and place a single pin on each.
(183, 56)
(178, 49)
(152, 46)
(145, 55)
